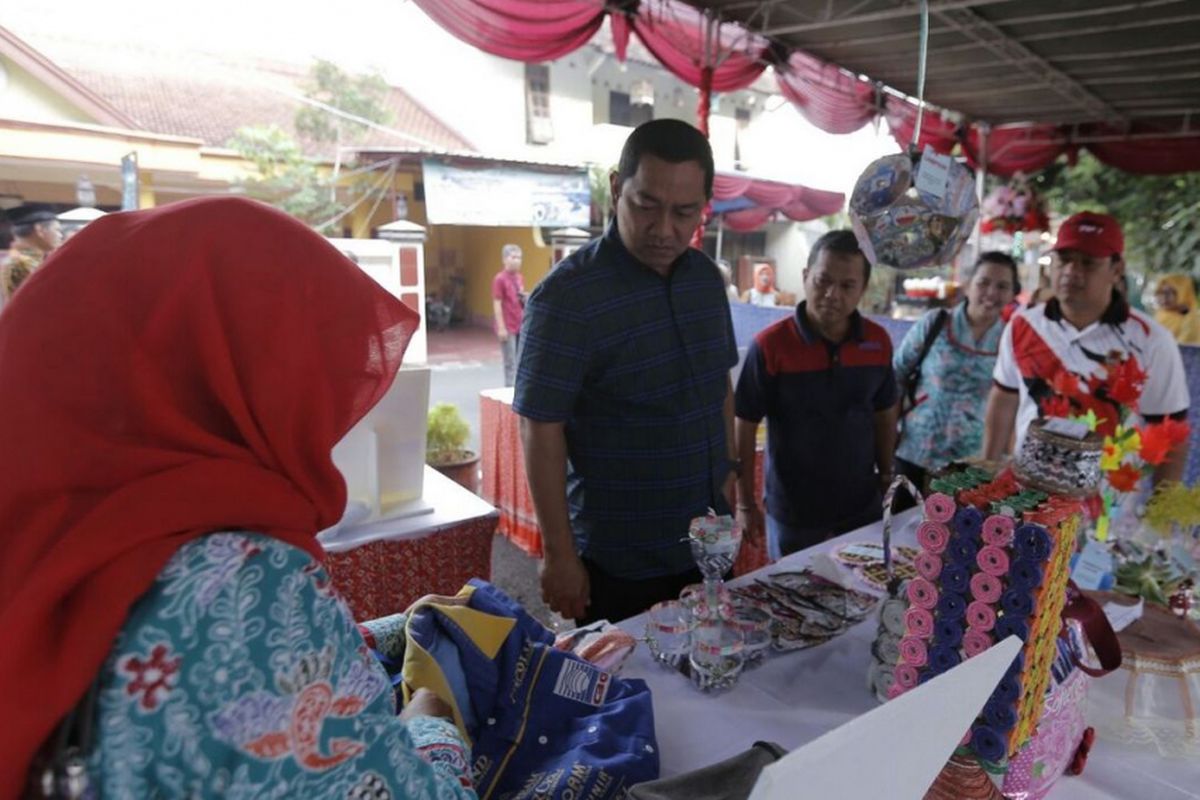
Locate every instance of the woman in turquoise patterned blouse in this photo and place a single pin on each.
(173, 382)
(951, 384)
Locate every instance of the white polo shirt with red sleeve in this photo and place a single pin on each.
(1039, 342)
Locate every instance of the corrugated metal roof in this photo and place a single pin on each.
(1003, 61)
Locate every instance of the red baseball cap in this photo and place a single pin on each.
(1095, 235)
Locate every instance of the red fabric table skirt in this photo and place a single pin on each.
(385, 576)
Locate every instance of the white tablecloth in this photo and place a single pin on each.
(793, 698)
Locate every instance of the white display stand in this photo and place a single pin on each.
(382, 458)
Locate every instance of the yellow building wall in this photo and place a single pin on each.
(25, 97)
(470, 251)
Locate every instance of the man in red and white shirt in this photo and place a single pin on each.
(1084, 327)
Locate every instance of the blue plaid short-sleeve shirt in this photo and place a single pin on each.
(636, 366)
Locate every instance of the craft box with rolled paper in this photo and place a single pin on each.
(993, 562)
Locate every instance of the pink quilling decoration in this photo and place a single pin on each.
(912, 651)
(919, 622)
(975, 642)
(998, 530)
(993, 560)
(922, 593)
(933, 536)
(980, 618)
(986, 588)
(906, 676)
(928, 565)
(939, 507)
(895, 690)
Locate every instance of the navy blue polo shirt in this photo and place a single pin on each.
(636, 365)
(819, 399)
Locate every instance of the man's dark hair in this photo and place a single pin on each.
(1001, 258)
(843, 242)
(24, 230)
(672, 140)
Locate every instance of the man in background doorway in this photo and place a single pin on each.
(508, 304)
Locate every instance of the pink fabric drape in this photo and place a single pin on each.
(523, 30)
(939, 133)
(828, 97)
(799, 203)
(825, 95)
(1009, 150)
(748, 219)
(1148, 156)
(675, 34)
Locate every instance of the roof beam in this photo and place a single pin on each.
(907, 10)
(1041, 71)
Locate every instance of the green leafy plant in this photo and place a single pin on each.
(283, 175)
(446, 437)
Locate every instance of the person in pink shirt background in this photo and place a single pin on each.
(508, 305)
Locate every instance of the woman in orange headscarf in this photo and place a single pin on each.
(763, 292)
(1175, 297)
(172, 383)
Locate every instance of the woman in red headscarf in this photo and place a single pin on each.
(172, 383)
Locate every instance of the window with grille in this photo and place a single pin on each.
(538, 127)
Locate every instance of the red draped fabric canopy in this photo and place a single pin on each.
(826, 95)
(798, 203)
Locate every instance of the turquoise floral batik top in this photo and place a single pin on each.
(240, 674)
(956, 377)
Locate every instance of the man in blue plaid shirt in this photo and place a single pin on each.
(623, 389)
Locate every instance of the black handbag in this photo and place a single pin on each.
(60, 770)
(731, 779)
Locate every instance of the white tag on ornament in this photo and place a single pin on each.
(933, 173)
(1067, 428)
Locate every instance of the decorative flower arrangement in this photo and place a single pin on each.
(1104, 405)
(1014, 207)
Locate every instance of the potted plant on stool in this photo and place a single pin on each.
(445, 448)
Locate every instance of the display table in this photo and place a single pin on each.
(380, 568)
(503, 462)
(795, 697)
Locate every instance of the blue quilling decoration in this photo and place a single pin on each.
(1032, 541)
(948, 633)
(1007, 690)
(1011, 625)
(968, 521)
(962, 551)
(942, 658)
(1025, 575)
(956, 578)
(951, 606)
(1017, 602)
(989, 745)
(1000, 715)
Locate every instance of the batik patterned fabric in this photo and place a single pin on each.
(955, 377)
(240, 673)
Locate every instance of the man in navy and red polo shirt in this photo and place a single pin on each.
(823, 379)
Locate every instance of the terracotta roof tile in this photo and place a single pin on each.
(208, 97)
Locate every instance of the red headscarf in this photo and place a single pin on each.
(166, 374)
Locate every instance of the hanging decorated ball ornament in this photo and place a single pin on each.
(912, 211)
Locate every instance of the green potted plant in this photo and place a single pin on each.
(445, 446)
